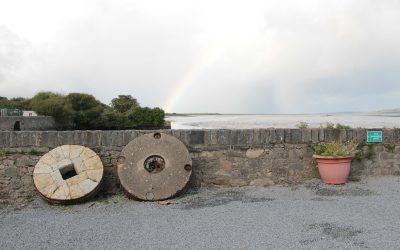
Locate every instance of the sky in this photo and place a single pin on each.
(252, 56)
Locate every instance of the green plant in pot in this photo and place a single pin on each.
(334, 161)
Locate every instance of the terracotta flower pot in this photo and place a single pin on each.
(334, 170)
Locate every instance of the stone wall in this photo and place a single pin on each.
(220, 157)
(8, 123)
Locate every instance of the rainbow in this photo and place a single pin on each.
(191, 74)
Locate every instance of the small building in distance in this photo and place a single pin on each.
(29, 113)
(10, 112)
(16, 120)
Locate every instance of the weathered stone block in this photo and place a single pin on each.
(234, 137)
(196, 137)
(349, 134)
(48, 139)
(241, 137)
(250, 137)
(343, 135)
(223, 137)
(272, 137)
(128, 136)
(296, 136)
(116, 138)
(65, 137)
(306, 135)
(185, 136)
(25, 161)
(94, 138)
(176, 133)
(361, 134)
(106, 138)
(321, 134)
(288, 136)
(256, 137)
(254, 153)
(264, 135)
(4, 139)
(396, 138)
(314, 135)
(388, 135)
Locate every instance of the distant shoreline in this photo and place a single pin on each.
(379, 112)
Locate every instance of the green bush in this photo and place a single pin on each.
(15, 103)
(123, 103)
(84, 111)
(302, 125)
(146, 117)
(335, 149)
(341, 126)
(55, 105)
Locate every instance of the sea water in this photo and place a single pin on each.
(354, 120)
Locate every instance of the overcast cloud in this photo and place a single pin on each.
(232, 56)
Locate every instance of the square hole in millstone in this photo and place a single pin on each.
(67, 171)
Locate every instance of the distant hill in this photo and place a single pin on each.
(190, 114)
(389, 111)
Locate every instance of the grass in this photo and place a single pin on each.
(390, 147)
(302, 125)
(330, 125)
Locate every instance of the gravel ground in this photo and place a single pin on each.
(358, 215)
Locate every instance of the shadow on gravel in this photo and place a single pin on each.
(334, 232)
(213, 198)
(321, 189)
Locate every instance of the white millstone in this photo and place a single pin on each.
(66, 149)
(78, 165)
(95, 175)
(56, 176)
(57, 154)
(87, 153)
(62, 163)
(48, 159)
(43, 169)
(75, 151)
(87, 185)
(93, 163)
(42, 181)
(59, 163)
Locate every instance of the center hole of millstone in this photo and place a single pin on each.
(154, 164)
(67, 171)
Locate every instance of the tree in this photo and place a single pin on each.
(86, 110)
(80, 101)
(15, 103)
(55, 105)
(110, 119)
(124, 103)
(146, 117)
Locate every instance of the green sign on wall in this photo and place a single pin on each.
(374, 136)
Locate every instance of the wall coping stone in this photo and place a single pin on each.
(192, 138)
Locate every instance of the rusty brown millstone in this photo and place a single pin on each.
(154, 166)
(68, 174)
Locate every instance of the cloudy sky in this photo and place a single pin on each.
(267, 56)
